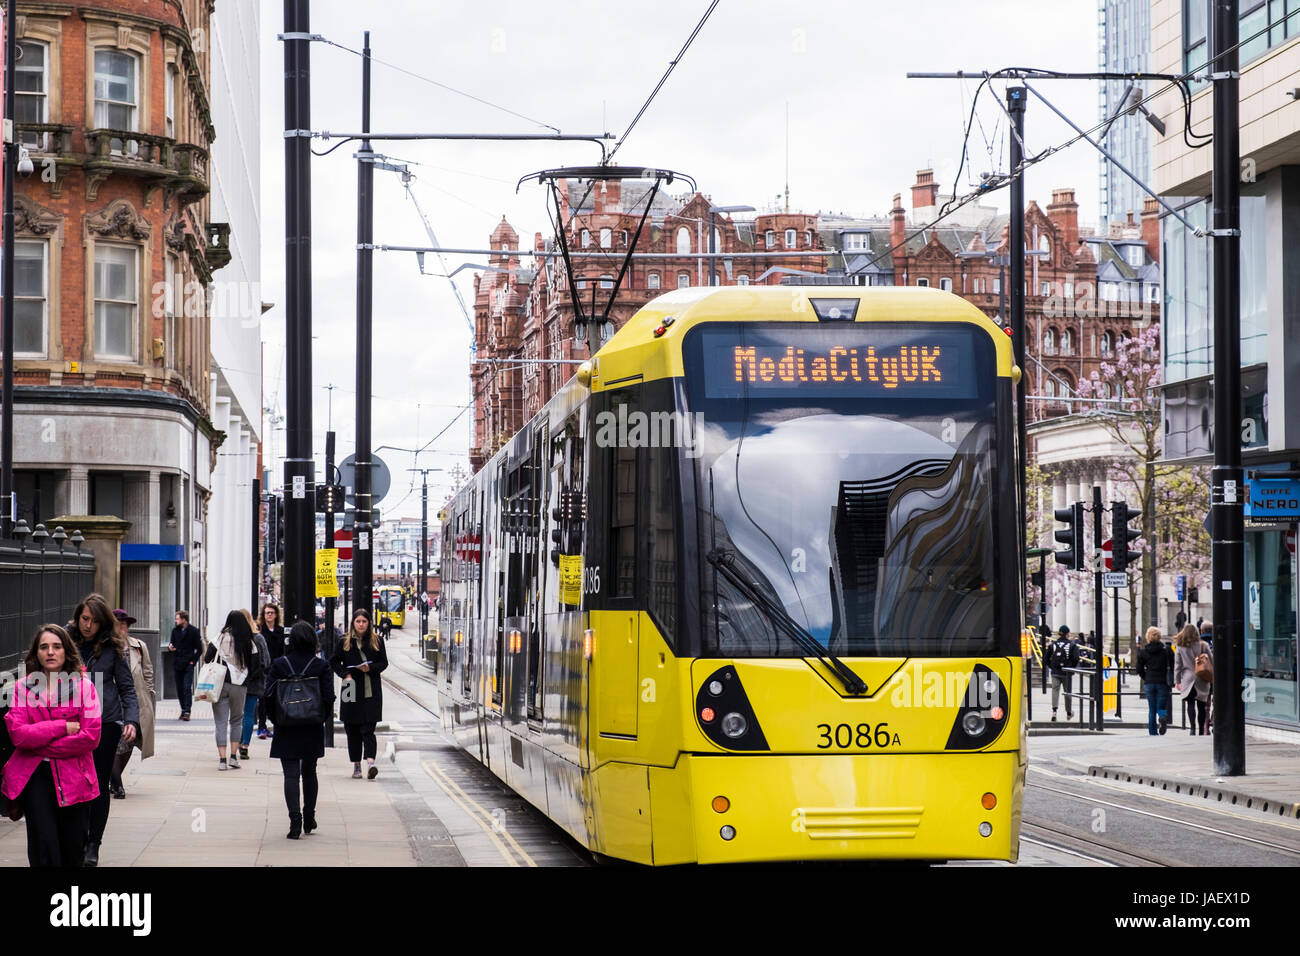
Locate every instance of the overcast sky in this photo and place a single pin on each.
(858, 131)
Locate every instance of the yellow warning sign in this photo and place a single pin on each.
(571, 579)
(327, 565)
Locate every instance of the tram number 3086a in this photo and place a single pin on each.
(860, 736)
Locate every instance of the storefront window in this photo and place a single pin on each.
(1271, 626)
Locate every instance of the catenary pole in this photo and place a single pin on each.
(362, 551)
(1227, 550)
(299, 468)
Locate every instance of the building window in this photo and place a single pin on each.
(1067, 343)
(1049, 387)
(1136, 256)
(769, 239)
(625, 237)
(923, 283)
(807, 238)
(1069, 290)
(742, 279)
(115, 90)
(652, 280)
(30, 87)
(683, 241)
(856, 241)
(683, 280)
(997, 286)
(717, 239)
(1107, 343)
(945, 284)
(116, 301)
(607, 281)
(790, 241)
(586, 238)
(1049, 342)
(606, 238)
(30, 309)
(170, 101)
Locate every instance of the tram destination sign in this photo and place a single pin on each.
(842, 361)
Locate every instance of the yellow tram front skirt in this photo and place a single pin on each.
(731, 809)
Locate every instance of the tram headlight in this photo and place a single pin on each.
(727, 833)
(973, 723)
(715, 688)
(734, 725)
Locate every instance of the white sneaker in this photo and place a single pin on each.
(234, 762)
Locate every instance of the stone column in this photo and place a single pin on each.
(104, 535)
(78, 491)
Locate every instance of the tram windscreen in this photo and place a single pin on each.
(847, 470)
(391, 600)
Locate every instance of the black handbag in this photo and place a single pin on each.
(298, 701)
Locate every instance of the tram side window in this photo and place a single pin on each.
(659, 538)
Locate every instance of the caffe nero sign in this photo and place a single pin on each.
(1273, 500)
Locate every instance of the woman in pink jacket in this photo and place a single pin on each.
(54, 723)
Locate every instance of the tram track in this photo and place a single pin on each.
(1148, 822)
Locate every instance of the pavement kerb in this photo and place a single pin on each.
(1218, 793)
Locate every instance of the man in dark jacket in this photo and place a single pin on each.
(1154, 663)
(186, 647)
(1062, 654)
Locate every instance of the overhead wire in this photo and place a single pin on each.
(672, 65)
(441, 85)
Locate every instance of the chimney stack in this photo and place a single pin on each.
(1151, 227)
(1063, 213)
(897, 226)
(925, 194)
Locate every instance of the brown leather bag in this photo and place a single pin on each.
(1204, 667)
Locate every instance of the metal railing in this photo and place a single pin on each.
(43, 575)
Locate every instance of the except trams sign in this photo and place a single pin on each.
(1114, 579)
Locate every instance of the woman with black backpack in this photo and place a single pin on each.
(299, 739)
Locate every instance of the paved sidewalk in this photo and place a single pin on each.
(180, 810)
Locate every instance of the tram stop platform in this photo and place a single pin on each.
(429, 806)
(1175, 762)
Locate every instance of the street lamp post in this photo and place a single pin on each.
(713, 262)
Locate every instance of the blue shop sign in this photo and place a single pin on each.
(1273, 500)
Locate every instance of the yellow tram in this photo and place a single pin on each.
(748, 587)
(392, 605)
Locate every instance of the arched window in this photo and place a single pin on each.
(945, 284)
(652, 280)
(923, 283)
(742, 279)
(1065, 383)
(1049, 341)
(1067, 343)
(1107, 343)
(586, 238)
(683, 241)
(683, 280)
(607, 281)
(769, 238)
(606, 238)
(790, 241)
(717, 239)
(1049, 386)
(807, 238)
(1045, 245)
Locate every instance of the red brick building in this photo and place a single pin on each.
(1083, 290)
(114, 251)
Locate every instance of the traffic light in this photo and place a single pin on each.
(1071, 536)
(279, 529)
(1121, 534)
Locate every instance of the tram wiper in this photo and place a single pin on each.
(724, 560)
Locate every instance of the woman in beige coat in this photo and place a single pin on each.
(142, 674)
(1193, 691)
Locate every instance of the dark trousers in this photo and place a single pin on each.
(56, 836)
(105, 754)
(185, 686)
(119, 764)
(1195, 713)
(361, 737)
(294, 770)
(261, 713)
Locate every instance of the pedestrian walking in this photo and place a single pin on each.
(234, 649)
(142, 674)
(54, 725)
(104, 654)
(297, 745)
(273, 631)
(1153, 666)
(258, 667)
(359, 660)
(1062, 654)
(1207, 634)
(187, 648)
(1192, 690)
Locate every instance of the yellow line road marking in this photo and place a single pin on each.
(480, 815)
(486, 828)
